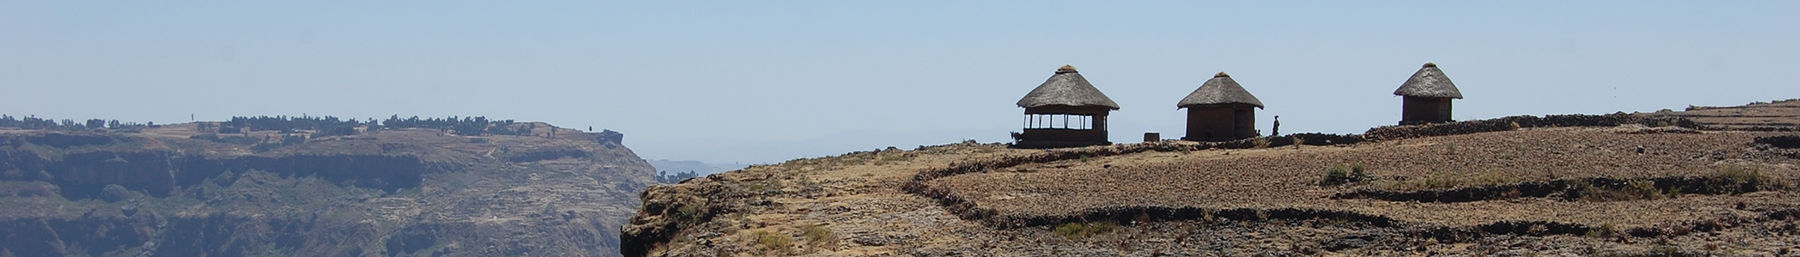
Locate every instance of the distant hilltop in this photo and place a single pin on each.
(673, 171)
(317, 126)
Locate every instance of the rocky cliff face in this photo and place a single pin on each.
(167, 192)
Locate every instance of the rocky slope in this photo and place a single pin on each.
(1621, 184)
(171, 191)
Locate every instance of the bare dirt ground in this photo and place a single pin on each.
(1285, 177)
(1625, 190)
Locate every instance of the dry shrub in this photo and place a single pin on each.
(1604, 230)
(772, 241)
(1636, 189)
(1083, 230)
(1341, 174)
(817, 234)
(1741, 179)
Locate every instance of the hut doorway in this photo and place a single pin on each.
(1242, 121)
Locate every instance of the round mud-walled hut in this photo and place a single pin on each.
(1427, 96)
(1065, 111)
(1220, 110)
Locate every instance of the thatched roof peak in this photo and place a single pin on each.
(1066, 88)
(1429, 81)
(1221, 89)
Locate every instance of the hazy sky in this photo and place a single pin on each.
(766, 81)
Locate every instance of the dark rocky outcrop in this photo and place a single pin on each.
(1788, 141)
(158, 173)
(545, 154)
(94, 236)
(614, 137)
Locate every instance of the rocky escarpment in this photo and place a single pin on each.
(407, 192)
(160, 173)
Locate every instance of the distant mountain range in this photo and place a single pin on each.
(698, 167)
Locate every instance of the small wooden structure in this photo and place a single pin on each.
(1220, 110)
(1427, 96)
(1064, 111)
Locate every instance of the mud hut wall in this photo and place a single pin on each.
(1221, 122)
(1415, 110)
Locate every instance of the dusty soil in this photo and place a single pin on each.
(1285, 177)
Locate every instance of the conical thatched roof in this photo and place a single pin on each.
(1068, 88)
(1429, 82)
(1221, 89)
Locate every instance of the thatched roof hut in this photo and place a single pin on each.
(1427, 96)
(1066, 88)
(1221, 89)
(1429, 82)
(1220, 110)
(1065, 111)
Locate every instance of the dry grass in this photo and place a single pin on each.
(1633, 190)
(817, 234)
(771, 241)
(1748, 177)
(1075, 230)
(1344, 174)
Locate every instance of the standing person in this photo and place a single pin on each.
(1276, 130)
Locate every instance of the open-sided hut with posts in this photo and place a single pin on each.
(1220, 110)
(1427, 96)
(1065, 111)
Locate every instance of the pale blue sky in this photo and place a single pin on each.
(760, 82)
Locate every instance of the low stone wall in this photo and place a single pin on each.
(1320, 139)
(1522, 121)
(1780, 141)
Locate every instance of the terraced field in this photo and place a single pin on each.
(1290, 178)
